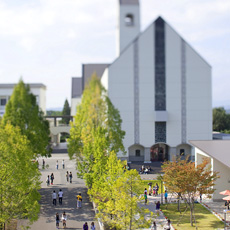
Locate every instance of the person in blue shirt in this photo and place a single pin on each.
(166, 196)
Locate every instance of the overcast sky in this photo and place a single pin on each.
(46, 41)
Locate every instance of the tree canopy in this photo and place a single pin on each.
(66, 111)
(19, 177)
(96, 129)
(95, 139)
(23, 111)
(188, 181)
(221, 120)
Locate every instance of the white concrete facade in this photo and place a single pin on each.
(217, 151)
(131, 81)
(39, 90)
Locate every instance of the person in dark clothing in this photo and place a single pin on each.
(85, 226)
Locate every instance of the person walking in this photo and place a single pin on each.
(158, 206)
(67, 176)
(57, 164)
(57, 220)
(156, 188)
(63, 164)
(64, 219)
(167, 226)
(70, 177)
(150, 190)
(43, 163)
(60, 195)
(85, 226)
(79, 200)
(154, 226)
(166, 196)
(48, 180)
(54, 196)
(93, 226)
(146, 198)
(52, 178)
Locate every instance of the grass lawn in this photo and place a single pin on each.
(204, 218)
(144, 184)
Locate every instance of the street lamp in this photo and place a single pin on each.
(161, 189)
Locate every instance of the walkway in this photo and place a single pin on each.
(216, 207)
(75, 217)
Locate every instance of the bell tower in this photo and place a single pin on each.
(128, 23)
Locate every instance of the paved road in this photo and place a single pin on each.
(75, 217)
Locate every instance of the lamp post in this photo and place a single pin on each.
(225, 218)
(161, 189)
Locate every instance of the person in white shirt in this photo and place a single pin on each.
(64, 219)
(54, 196)
(60, 195)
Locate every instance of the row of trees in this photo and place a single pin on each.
(24, 135)
(95, 139)
(221, 120)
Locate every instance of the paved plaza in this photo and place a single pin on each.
(75, 217)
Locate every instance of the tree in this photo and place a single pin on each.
(182, 177)
(19, 177)
(127, 211)
(96, 130)
(116, 194)
(221, 120)
(66, 111)
(23, 111)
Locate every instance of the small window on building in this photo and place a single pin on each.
(182, 153)
(138, 152)
(3, 101)
(129, 20)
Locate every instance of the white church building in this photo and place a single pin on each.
(160, 85)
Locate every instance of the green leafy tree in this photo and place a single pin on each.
(221, 120)
(19, 177)
(128, 213)
(66, 111)
(23, 111)
(182, 177)
(116, 194)
(53, 113)
(96, 130)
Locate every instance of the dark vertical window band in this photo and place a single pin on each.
(136, 93)
(160, 95)
(183, 93)
(160, 132)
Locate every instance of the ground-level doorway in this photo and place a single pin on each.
(159, 152)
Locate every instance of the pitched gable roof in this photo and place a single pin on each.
(217, 149)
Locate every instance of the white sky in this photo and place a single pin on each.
(46, 41)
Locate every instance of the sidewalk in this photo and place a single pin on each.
(160, 220)
(75, 217)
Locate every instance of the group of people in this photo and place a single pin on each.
(86, 227)
(69, 177)
(64, 220)
(63, 164)
(59, 196)
(54, 197)
(50, 178)
(153, 190)
(145, 170)
(167, 226)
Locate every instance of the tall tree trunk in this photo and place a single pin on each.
(191, 216)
